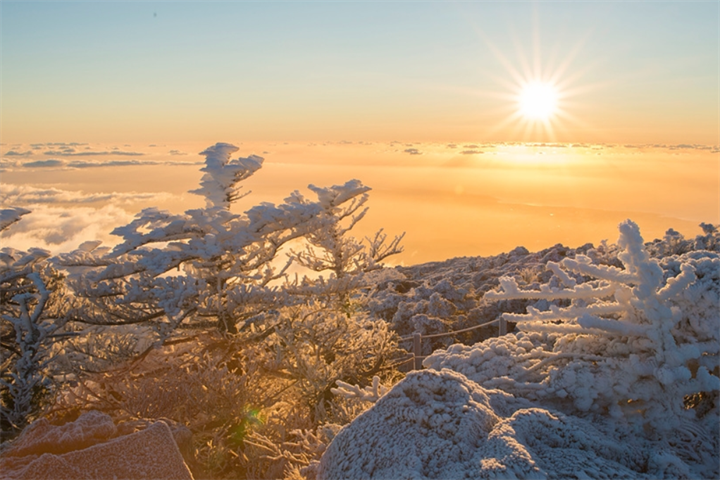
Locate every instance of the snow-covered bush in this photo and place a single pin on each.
(248, 396)
(311, 349)
(674, 243)
(317, 347)
(632, 347)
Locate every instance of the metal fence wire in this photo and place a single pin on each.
(417, 339)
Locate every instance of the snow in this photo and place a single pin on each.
(595, 381)
(222, 174)
(8, 216)
(440, 424)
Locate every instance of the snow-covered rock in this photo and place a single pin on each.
(439, 424)
(612, 373)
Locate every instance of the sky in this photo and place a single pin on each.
(105, 106)
(432, 71)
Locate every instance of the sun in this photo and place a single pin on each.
(538, 101)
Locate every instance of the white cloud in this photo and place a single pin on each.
(113, 163)
(28, 196)
(63, 229)
(69, 152)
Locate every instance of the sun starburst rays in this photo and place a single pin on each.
(538, 92)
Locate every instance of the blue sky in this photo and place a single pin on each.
(310, 70)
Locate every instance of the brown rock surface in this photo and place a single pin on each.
(42, 437)
(51, 467)
(151, 453)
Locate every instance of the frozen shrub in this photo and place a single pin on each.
(630, 349)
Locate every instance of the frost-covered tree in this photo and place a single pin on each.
(317, 347)
(31, 321)
(209, 265)
(635, 344)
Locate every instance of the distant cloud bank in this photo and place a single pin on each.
(72, 153)
(43, 163)
(25, 195)
(13, 153)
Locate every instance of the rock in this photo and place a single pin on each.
(51, 467)
(443, 425)
(42, 437)
(150, 453)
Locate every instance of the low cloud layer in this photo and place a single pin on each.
(57, 144)
(70, 152)
(55, 163)
(43, 163)
(112, 163)
(13, 153)
(25, 195)
(63, 229)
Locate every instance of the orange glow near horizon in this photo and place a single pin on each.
(452, 200)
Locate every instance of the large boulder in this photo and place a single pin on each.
(43, 437)
(439, 424)
(86, 449)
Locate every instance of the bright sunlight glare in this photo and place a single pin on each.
(538, 101)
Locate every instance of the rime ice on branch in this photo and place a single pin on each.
(630, 344)
(339, 252)
(213, 266)
(8, 216)
(219, 184)
(208, 264)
